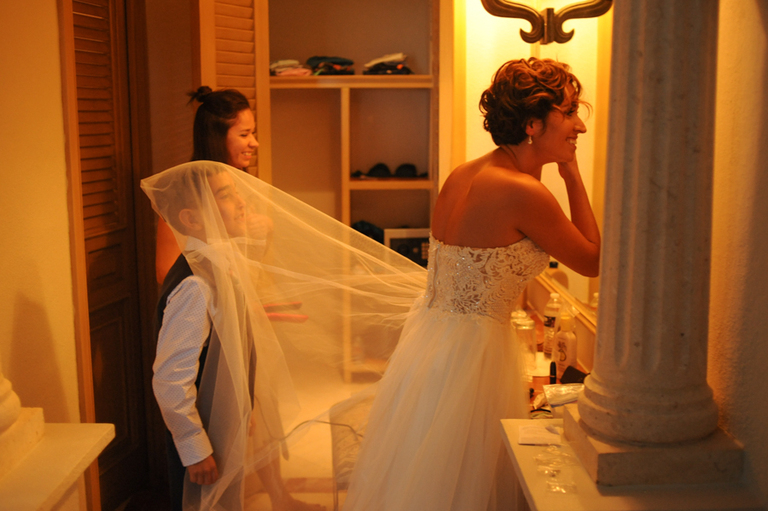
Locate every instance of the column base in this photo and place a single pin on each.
(714, 459)
(20, 438)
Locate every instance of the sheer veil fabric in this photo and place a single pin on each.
(289, 283)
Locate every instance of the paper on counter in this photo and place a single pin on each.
(539, 435)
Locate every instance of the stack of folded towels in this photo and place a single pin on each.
(288, 67)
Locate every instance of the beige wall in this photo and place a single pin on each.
(37, 347)
(738, 344)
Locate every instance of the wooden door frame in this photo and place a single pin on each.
(145, 225)
(77, 239)
(141, 159)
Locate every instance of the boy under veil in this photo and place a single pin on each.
(225, 390)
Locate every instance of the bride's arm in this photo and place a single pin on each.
(576, 242)
(581, 211)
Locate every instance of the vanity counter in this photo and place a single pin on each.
(587, 496)
(47, 477)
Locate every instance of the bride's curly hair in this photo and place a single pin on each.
(522, 90)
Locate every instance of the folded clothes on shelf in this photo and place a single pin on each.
(388, 69)
(392, 64)
(288, 67)
(330, 65)
(284, 63)
(392, 58)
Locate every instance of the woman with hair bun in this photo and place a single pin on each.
(433, 438)
(225, 131)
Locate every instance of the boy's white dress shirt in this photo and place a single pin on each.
(183, 334)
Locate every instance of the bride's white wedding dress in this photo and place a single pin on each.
(433, 436)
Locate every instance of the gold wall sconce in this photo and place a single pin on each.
(546, 26)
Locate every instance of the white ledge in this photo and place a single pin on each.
(51, 469)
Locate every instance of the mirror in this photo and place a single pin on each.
(587, 308)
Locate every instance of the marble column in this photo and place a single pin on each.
(648, 383)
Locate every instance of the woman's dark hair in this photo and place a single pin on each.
(215, 115)
(522, 90)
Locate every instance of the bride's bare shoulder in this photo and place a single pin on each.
(487, 181)
(466, 173)
(461, 174)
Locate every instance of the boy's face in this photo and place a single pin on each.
(231, 205)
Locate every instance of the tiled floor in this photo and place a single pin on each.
(261, 501)
(307, 473)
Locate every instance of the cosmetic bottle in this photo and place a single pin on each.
(564, 352)
(551, 310)
(525, 329)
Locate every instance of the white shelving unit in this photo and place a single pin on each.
(315, 131)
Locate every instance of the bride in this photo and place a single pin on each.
(433, 436)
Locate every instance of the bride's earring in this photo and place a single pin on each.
(530, 140)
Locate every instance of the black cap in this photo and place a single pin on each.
(379, 170)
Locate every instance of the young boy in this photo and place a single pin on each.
(205, 365)
(185, 331)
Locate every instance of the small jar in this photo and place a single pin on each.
(525, 329)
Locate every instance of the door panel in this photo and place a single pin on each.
(110, 243)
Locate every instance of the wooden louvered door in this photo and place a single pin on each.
(111, 258)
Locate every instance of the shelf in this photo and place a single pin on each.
(352, 82)
(316, 131)
(390, 184)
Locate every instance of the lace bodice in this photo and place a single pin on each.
(483, 281)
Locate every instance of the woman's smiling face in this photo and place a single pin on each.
(560, 131)
(241, 140)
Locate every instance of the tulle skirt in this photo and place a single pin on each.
(433, 437)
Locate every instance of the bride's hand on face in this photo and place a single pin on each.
(569, 169)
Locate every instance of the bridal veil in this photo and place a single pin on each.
(291, 288)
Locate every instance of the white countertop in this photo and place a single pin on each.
(44, 475)
(587, 496)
